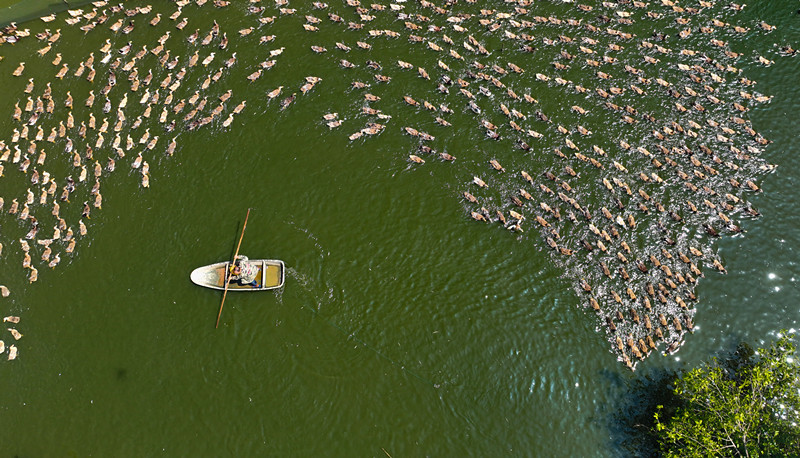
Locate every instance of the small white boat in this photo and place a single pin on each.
(270, 275)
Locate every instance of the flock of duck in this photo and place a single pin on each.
(643, 157)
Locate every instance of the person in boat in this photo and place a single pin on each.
(244, 272)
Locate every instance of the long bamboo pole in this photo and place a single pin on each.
(227, 283)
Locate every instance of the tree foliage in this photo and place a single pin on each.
(748, 407)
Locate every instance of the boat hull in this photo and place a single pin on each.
(270, 276)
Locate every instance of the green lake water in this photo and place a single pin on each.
(404, 328)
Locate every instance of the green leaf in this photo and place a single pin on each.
(738, 401)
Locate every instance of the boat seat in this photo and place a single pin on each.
(273, 275)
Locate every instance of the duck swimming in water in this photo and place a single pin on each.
(19, 69)
(288, 101)
(491, 93)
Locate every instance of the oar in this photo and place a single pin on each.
(227, 283)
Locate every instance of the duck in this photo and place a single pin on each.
(19, 70)
(106, 47)
(255, 75)
(208, 59)
(46, 253)
(32, 233)
(95, 187)
(65, 194)
(288, 101)
(25, 164)
(171, 147)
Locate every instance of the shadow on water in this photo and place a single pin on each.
(631, 420)
(236, 236)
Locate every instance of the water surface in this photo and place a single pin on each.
(404, 328)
